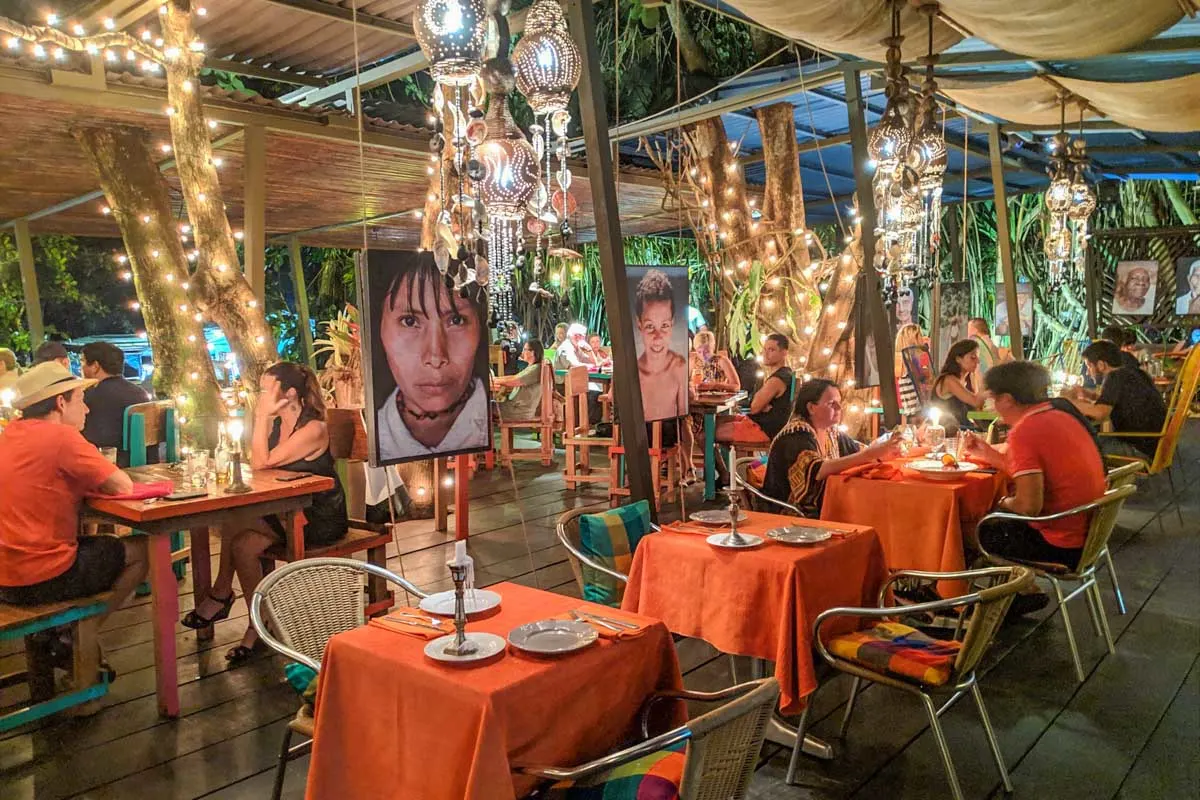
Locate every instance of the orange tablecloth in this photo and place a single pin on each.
(760, 602)
(392, 723)
(919, 521)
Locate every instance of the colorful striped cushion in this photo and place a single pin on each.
(609, 538)
(653, 777)
(899, 651)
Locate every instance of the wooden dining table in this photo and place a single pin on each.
(712, 405)
(159, 518)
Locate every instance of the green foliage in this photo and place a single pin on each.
(741, 321)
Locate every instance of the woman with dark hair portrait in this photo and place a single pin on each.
(659, 366)
(434, 342)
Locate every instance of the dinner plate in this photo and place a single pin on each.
(487, 645)
(475, 602)
(937, 471)
(721, 540)
(549, 637)
(715, 517)
(798, 534)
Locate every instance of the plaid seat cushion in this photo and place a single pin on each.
(653, 777)
(899, 651)
(609, 538)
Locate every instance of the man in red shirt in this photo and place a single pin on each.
(1052, 456)
(49, 469)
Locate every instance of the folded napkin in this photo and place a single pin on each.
(876, 472)
(693, 528)
(397, 624)
(608, 633)
(143, 491)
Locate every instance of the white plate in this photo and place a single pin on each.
(475, 602)
(938, 472)
(799, 534)
(716, 517)
(487, 645)
(719, 540)
(550, 637)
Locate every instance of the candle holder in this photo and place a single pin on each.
(461, 646)
(734, 539)
(236, 485)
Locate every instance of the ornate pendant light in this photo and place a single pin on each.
(1070, 200)
(928, 157)
(452, 35)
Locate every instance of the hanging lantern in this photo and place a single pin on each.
(510, 168)
(928, 157)
(1070, 201)
(452, 35)
(547, 60)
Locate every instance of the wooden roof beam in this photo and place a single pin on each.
(330, 11)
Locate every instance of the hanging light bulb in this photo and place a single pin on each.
(547, 60)
(452, 35)
(1070, 201)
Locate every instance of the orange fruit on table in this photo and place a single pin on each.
(948, 460)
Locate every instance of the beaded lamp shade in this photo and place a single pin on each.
(547, 60)
(452, 35)
(510, 165)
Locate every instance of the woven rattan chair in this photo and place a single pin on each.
(722, 745)
(986, 608)
(756, 499)
(1102, 518)
(307, 603)
(1116, 478)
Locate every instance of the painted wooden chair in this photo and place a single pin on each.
(664, 466)
(148, 425)
(577, 441)
(543, 424)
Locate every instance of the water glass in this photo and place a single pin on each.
(109, 453)
(198, 468)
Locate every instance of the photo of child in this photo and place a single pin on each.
(659, 297)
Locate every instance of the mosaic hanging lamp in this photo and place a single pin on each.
(452, 35)
(1070, 200)
(928, 157)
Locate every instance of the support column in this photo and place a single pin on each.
(254, 239)
(33, 302)
(876, 315)
(1004, 243)
(628, 391)
(300, 288)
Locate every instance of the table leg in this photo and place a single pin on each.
(462, 497)
(780, 732)
(164, 600)
(710, 446)
(201, 575)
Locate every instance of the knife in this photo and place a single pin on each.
(575, 615)
(629, 626)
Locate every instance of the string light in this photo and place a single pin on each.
(78, 29)
(252, 303)
(109, 24)
(212, 124)
(239, 235)
(39, 51)
(135, 305)
(105, 210)
(52, 19)
(146, 219)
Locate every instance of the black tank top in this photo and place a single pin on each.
(327, 519)
(777, 414)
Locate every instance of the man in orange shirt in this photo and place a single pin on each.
(48, 469)
(1054, 461)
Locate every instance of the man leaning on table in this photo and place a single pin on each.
(49, 470)
(1054, 462)
(1127, 398)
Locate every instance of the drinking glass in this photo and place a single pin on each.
(109, 453)
(198, 467)
(935, 438)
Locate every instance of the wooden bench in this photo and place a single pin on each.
(81, 618)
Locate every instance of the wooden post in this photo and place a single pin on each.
(462, 496)
(952, 236)
(33, 302)
(1004, 242)
(441, 508)
(628, 391)
(254, 235)
(303, 324)
(1091, 288)
(876, 314)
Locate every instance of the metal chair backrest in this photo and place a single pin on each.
(310, 601)
(584, 569)
(994, 600)
(1101, 521)
(1177, 412)
(1124, 475)
(754, 498)
(147, 425)
(725, 743)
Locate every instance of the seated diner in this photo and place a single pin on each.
(954, 389)
(519, 397)
(1127, 398)
(771, 405)
(711, 371)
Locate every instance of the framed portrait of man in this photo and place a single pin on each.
(425, 354)
(659, 300)
(1187, 286)
(1135, 288)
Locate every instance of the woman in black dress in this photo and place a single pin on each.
(290, 434)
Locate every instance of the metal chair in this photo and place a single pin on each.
(568, 533)
(722, 745)
(986, 606)
(741, 469)
(1116, 478)
(308, 602)
(1102, 517)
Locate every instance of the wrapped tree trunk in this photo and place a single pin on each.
(138, 196)
(218, 287)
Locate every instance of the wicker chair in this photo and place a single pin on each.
(1116, 478)
(986, 608)
(308, 602)
(722, 745)
(756, 499)
(1102, 518)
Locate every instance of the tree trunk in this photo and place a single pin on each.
(690, 50)
(138, 196)
(218, 287)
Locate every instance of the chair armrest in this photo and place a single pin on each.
(764, 496)
(586, 559)
(1130, 435)
(934, 577)
(610, 761)
(684, 694)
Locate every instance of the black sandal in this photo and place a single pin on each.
(240, 654)
(196, 622)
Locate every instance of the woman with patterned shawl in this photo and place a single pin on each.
(811, 447)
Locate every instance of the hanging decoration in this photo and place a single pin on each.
(1070, 201)
(452, 35)
(928, 157)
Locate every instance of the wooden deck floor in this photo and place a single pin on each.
(1130, 731)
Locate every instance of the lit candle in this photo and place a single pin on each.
(234, 428)
(6, 398)
(935, 434)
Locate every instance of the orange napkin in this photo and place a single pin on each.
(397, 624)
(693, 528)
(876, 472)
(606, 633)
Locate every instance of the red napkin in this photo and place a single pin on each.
(876, 472)
(143, 491)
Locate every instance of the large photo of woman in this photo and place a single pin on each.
(425, 351)
(659, 298)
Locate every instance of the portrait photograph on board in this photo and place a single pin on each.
(1137, 283)
(1024, 307)
(659, 297)
(425, 352)
(1187, 286)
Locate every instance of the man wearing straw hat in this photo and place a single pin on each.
(49, 469)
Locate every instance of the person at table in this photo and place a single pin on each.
(1125, 339)
(1128, 398)
(954, 389)
(8, 362)
(990, 353)
(602, 354)
(914, 370)
(49, 468)
(771, 405)
(52, 351)
(575, 352)
(519, 397)
(108, 399)
(1054, 464)
(811, 447)
(662, 369)
(711, 371)
(289, 434)
(560, 334)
